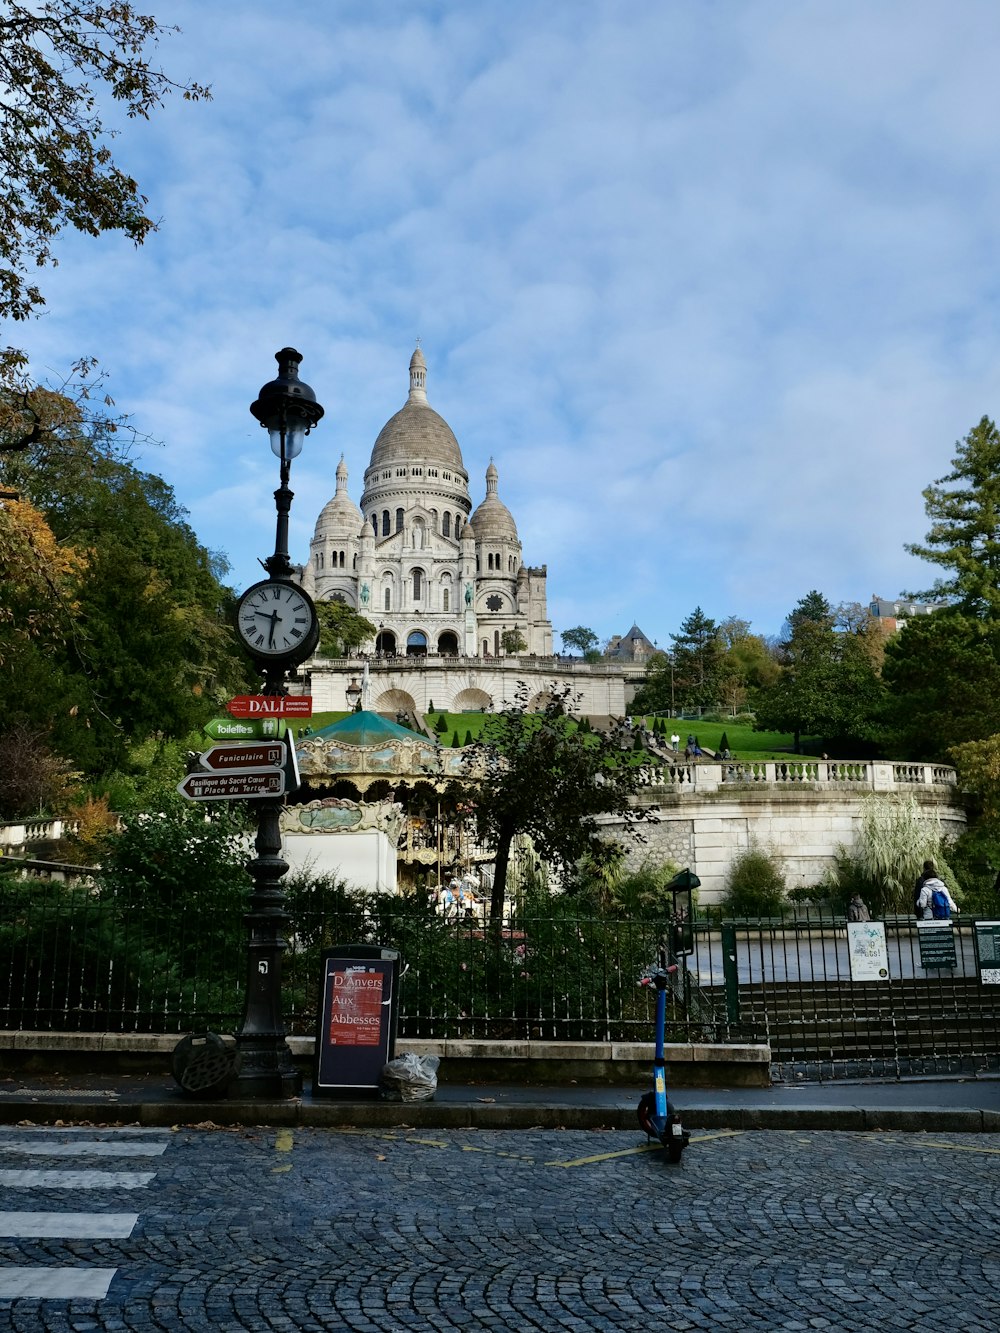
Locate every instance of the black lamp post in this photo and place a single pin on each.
(277, 622)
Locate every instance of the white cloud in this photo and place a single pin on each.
(714, 285)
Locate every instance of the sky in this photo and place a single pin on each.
(713, 282)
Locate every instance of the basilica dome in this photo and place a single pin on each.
(417, 433)
(493, 521)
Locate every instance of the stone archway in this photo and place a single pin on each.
(448, 643)
(395, 701)
(416, 644)
(539, 701)
(471, 701)
(386, 642)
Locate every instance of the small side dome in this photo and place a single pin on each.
(339, 516)
(493, 521)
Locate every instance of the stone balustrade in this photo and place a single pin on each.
(820, 774)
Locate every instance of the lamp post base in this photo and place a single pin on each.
(266, 1072)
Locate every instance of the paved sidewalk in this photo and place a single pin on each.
(917, 1104)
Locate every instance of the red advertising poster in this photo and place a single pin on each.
(356, 1023)
(356, 1006)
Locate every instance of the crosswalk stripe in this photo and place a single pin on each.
(60, 1284)
(85, 1148)
(67, 1226)
(76, 1180)
(117, 1131)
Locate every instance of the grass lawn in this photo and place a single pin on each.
(744, 742)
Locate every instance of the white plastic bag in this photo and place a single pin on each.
(409, 1078)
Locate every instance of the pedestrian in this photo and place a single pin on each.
(675, 742)
(934, 902)
(928, 872)
(856, 909)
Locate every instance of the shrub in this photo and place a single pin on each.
(755, 885)
(441, 725)
(894, 840)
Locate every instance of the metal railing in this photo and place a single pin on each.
(71, 961)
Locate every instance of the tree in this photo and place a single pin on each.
(697, 650)
(57, 168)
(580, 638)
(535, 773)
(942, 679)
(828, 685)
(813, 609)
(964, 509)
(119, 623)
(512, 641)
(656, 693)
(746, 665)
(33, 777)
(342, 630)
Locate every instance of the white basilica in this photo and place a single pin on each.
(438, 579)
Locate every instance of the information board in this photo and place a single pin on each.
(987, 935)
(356, 1030)
(866, 949)
(937, 944)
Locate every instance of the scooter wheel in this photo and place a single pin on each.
(673, 1148)
(644, 1114)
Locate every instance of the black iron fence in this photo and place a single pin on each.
(72, 961)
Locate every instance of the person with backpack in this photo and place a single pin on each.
(934, 902)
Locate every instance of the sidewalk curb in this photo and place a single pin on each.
(484, 1114)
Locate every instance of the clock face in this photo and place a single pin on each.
(276, 620)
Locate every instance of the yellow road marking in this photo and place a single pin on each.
(284, 1140)
(430, 1143)
(277, 1170)
(645, 1147)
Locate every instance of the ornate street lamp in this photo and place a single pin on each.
(277, 624)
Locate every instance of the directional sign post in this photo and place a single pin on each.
(246, 784)
(230, 758)
(259, 729)
(271, 705)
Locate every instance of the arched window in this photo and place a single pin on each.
(375, 524)
(446, 525)
(388, 598)
(399, 520)
(319, 559)
(445, 600)
(354, 562)
(343, 559)
(416, 584)
(458, 525)
(385, 522)
(489, 561)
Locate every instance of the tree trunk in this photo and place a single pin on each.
(499, 890)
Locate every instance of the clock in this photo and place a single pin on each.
(277, 622)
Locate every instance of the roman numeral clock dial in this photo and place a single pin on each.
(276, 622)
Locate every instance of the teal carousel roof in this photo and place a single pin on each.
(364, 728)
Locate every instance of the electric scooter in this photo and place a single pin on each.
(657, 1117)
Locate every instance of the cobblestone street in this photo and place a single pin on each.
(397, 1230)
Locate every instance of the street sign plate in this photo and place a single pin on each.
(240, 786)
(230, 758)
(271, 705)
(257, 729)
(292, 775)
